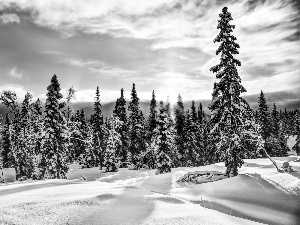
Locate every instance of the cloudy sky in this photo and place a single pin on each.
(161, 45)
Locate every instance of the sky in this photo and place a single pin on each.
(161, 45)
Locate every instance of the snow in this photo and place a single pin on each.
(259, 195)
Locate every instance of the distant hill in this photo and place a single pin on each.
(282, 99)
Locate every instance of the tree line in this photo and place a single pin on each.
(42, 143)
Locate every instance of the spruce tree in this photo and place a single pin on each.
(136, 126)
(194, 113)
(7, 151)
(37, 128)
(152, 114)
(296, 147)
(25, 153)
(112, 162)
(120, 112)
(55, 153)
(149, 156)
(265, 122)
(85, 152)
(200, 114)
(192, 140)
(279, 140)
(227, 107)
(179, 128)
(97, 123)
(165, 142)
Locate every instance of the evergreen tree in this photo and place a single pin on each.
(296, 147)
(275, 121)
(194, 113)
(37, 138)
(179, 128)
(55, 152)
(279, 140)
(112, 162)
(7, 151)
(10, 100)
(200, 113)
(136, 125)
(25, 152)
(149, 156)
(87, 156)
(152, 114)
(164, 141)
(265, 122)
(192, 141)
(120, 112)
(228, 108)
(97, 123)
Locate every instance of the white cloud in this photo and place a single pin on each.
(280, 82)
(261, 34)
(10, 18)
(18, 89)
(15, 73)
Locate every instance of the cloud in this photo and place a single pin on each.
(15, 73)
(99, 67)
(10, 18)
(167, 45)
(18, 89)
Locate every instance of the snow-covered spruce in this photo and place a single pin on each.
(120, 112)
(87, 157)
(179, 128)
(136, 132)
(164, 141)
(228, 109)
(98, 130)
(111, 162)
(55, 157)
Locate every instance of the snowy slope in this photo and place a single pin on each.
(139, 197)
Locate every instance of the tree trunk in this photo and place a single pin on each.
(272, 160)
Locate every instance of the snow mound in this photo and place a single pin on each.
(200, 177)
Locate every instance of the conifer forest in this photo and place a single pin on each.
(41, 139)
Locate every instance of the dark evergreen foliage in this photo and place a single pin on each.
(120, 112)
(136, 126)
(55, 152)
(227, 107)
(179, 128)
(7, 150)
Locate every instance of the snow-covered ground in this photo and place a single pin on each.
(258, 195)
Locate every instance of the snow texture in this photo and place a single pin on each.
(259, 195)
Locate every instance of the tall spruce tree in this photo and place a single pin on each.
(227, 107)
(112, 162)
(25, 152)
(152, 114)
(164, 141)
(97, 123)
(265, 122)
(55, 153)
(200, 114)
(192, 140)
(7, 151)
(179, 128)
(296, 147)
(120, 112)
(136, 125)
(194, 113)
(149, 156)
(84, 151)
